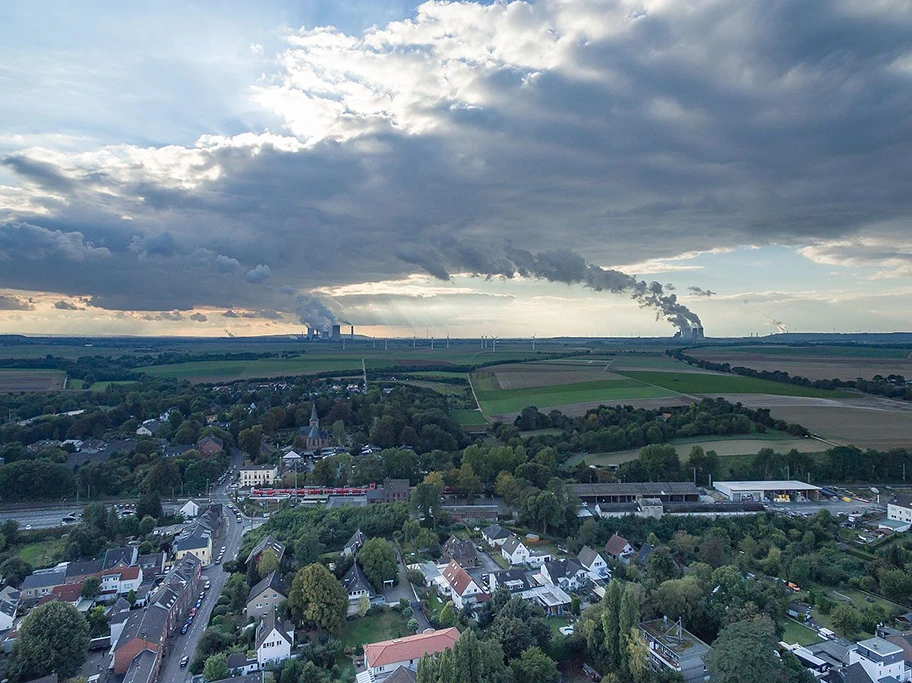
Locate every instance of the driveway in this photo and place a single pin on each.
(404, 589)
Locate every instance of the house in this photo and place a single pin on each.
(673, 647)
(312, 436)
(39, 583)
(274, 639)
(144, 668)
(593, 563)
(899, 509)
(642, 556)
(196, 539)
(383, 658)
(356, 584)
(495, 535)
(355, 543)
(239, 665)
(268, 543)
(209, 446)
(567, 574)
(257, 475)
(512, 580)
(126, 556)
(252, 677)
(149, 428)
(618, 548)
(189, 510)
(552, 599)
(880, 659)
(514, 551)
(121, 580)
(395, 490)
(402, 675)
(152, 564)
(265, 596)
(9, 603)
(464, 591)
(799, 611)
(462, 552)
(77, 571)
(143, 630)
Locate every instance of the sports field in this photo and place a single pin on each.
(31, 380)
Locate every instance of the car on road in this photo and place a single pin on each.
(185, 628)
(185, 660)
(193, 612)
(208, 585)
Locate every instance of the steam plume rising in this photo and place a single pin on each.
(561, 265)
(314, 313)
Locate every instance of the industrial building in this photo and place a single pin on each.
(783, 491)
(620, 492)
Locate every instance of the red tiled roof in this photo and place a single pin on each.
(615, 545)
(457, 577)
(410, 648)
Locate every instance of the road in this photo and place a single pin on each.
(185, 645)
(51, 516)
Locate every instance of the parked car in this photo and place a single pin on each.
(185, 628)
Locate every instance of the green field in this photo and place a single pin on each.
(692, 383)
(101, 386)
(42, 553)
(467, 418)
(810, 351)
(383, 625)
(326, 361)
(496, 401)
(793, 632)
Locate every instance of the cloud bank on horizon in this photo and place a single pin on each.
(494, 139)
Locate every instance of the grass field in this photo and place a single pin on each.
(690, 383)
(42, 553)
(31, 380)
(809, 351)
(383, 625)
(496, 401)
(440, 387)
(793, 632)
(468, 418)
(327, 360)
(727, 447)
(101, 386)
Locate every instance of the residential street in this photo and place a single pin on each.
(185, 645)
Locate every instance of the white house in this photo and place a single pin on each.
(618, 547)
(567, 574)
(593, 563)
(899, 509)
(121, 580)
(9, 602)
(495, 535)
(463, 588)
(514, 551)
(190, 510)
(383, 658)
(274, 640)
(880, 659)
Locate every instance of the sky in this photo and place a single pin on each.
(556, 167)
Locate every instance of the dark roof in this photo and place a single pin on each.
(212, 439)
(642, 489)
(84, 568)
(44, 579)
(396, 485)
(495, 531)
(402, 675)
(125, 555)
(463, 552)
(902, 499)
(355, 580)
(51, 678)
(147, 624)
(268, 624)
(511, 576)
(357, 540)
(587, 556)
(237, 660)
(272, 582)
(268, 541)
(643, 555)
(154, 561)
(255, 677)
(558, 569)
(511, 544)
(851, 674)
(142, 668)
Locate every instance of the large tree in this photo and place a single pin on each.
(426, 496)
(317, 597)
(216, 668)
(53, 638)
(470, 660)
(745, 652)
(378, 560)
(534, 666)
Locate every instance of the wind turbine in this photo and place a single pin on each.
(483, 345)
(533, 340)
(494, 344)
(448, 340)
(432, 343)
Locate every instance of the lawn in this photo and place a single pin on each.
(557, 623)
(42, 553)
(793, 632)
(691, 383)
(467, 418)
(383, 625)
(497, 401)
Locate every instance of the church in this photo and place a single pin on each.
(314, 437)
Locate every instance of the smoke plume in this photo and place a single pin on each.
(313, 313)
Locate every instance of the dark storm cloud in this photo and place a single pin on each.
(715, 124)
(230, 314)
(198, 317)
(699, 291)
(66, 306)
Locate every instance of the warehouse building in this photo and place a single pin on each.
(775, 491)
(632, 492)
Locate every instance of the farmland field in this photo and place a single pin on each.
(690, 383)
(846, 363)
(31, 380)
(531, 375)
(723, 446)
(496, 401)
(467, 418)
